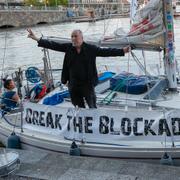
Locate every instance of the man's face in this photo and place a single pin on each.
(77, 38)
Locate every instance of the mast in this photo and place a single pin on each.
(169, 51)
(133, 9)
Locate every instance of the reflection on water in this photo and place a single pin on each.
(22, 52)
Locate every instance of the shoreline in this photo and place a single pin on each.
(64, 19)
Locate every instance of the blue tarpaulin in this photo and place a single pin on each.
(56, 98)
(59, 97)
(106, 75)
(130, 83)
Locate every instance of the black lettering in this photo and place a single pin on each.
(28, 115)
(41, 118)
(112, 128)
(57, 119)
(176, 129)
(35, 117)
(126, 126)
(49, 120)
(163, 127)
(68, 125)
(77, 124)
(135, 126)
(147, 127)
(103, 125)
(88, 124)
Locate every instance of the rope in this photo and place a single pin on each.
(118, 87)
(139, 64)
(3, 116)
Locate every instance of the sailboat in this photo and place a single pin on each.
(140, 125)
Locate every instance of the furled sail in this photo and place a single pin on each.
(147, 30)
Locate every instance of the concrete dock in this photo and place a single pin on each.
(38, 165)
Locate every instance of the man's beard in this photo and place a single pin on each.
(73, 44)
(76, 44)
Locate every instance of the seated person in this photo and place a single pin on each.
(10, 98)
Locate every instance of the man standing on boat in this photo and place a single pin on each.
(79, 66)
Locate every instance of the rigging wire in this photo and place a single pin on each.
(147, 84)
(46, 53)
(128, 65)
(106, 25)
(141, 66)
(3, 59)
(5, 48)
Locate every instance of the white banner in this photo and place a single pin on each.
(103, 125)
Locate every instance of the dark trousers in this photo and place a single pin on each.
(80, 94)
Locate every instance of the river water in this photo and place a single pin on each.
(16, 50)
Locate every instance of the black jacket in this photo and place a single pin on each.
(90, 51)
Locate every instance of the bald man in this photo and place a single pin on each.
(79, 66)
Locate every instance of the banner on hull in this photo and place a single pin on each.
(103, 125)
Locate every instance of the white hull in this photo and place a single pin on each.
(36, 141)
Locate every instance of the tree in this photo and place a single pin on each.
(63, 2)
(57, 2)
(47, 2)
(32, 2)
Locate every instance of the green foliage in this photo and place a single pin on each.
(32, 2)
(47, 2)
(57, 2)
(63, 2)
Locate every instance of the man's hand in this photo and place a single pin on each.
(126, 49)
(32, 35)
(129, 48)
